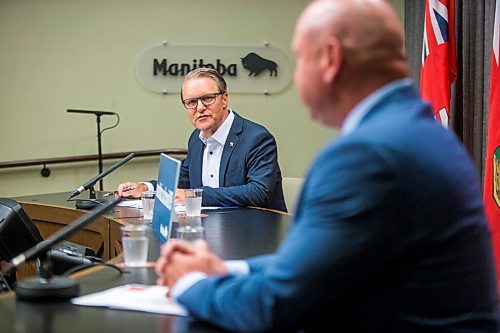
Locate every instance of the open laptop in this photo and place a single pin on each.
(163, 212)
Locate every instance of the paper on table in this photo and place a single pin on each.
(182, 208)
(131, 204)
(137, 297)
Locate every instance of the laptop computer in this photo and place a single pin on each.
(163, 211)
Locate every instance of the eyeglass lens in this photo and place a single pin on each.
(208, 99)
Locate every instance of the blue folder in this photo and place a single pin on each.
(163, 212)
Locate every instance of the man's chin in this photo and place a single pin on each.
(203, 128)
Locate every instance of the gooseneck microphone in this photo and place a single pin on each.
(97, 113)
(90, 184)
(46, 286)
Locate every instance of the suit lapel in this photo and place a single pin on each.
(229, 147)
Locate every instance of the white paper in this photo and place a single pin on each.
(131, 204)
(136, 297)
(182, 208)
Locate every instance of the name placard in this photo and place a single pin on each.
(247, 69)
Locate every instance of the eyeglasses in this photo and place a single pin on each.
(208, 99)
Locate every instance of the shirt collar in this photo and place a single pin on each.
(222, 132)
(359, 112)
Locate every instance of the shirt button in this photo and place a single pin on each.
(212, 176)
(211, 153)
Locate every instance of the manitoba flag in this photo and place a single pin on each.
(492, 168)
(439, 66)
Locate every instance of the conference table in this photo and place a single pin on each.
(231, 233)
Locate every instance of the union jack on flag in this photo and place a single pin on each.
(439, 67)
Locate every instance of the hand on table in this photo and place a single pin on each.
(179, 258)
(180, 197)
(131, 190)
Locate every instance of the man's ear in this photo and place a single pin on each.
(331, 59)
(225, 99)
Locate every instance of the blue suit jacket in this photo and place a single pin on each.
(389, 236)
(249, 173)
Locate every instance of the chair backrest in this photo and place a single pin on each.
(291, 191)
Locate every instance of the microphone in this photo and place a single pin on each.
(47, 286)
(97, 113)
(90, 184)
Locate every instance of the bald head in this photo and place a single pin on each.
(369, 32)
(358, 46)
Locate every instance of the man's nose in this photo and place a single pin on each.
(200, 107)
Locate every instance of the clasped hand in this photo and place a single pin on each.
(179, 258)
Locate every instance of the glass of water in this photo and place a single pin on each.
(148, 204)
(193, 201)
(191, 229)
(135, 244)
(193, 198)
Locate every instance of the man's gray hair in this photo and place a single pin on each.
(209, 73)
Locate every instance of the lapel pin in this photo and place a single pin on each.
(231, 144)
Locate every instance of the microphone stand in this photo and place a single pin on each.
(92, 201)
(47, 286)
(89, 185)
(98, 115)
(99, 148)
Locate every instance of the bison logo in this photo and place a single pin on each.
(255, 64)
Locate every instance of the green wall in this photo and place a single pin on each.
(60, 54)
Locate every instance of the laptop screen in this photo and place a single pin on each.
(163, 213)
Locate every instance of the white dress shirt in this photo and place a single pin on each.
(212, 153)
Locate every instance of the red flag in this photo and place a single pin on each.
(439, 65)
(492, 168)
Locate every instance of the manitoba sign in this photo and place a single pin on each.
(247, 69)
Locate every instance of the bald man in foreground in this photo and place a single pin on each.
(389, 234)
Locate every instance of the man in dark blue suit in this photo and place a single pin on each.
(389, 234)
(234, 160)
